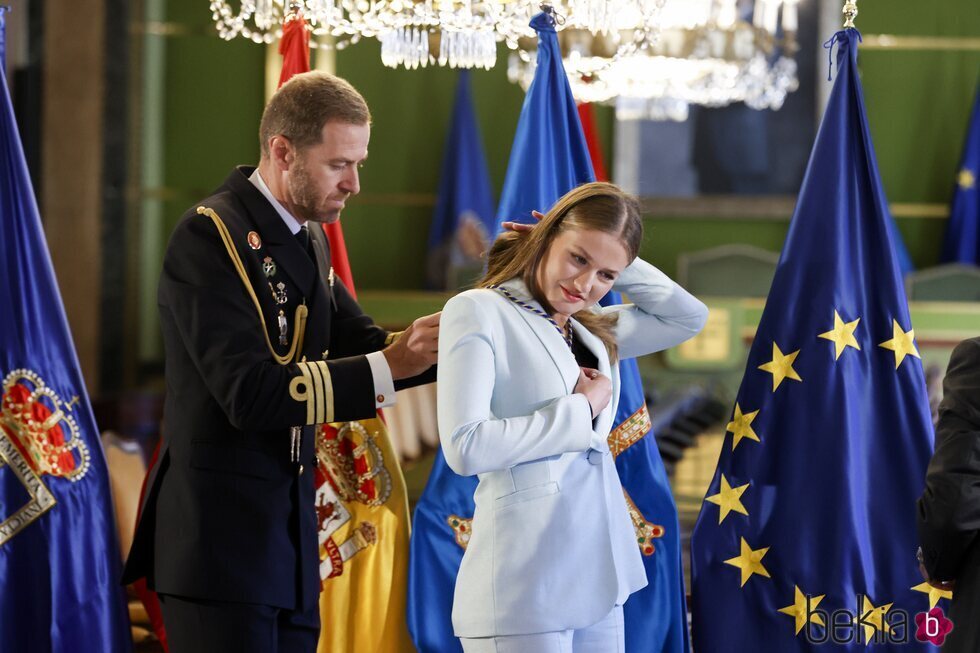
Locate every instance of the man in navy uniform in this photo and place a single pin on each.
(949, 509)
(263, 342)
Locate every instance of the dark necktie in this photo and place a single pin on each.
(303, 236)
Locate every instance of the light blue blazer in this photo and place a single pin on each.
(552, 545)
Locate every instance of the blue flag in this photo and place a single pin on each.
(549, 158)
(962, 243)
(59, 558)
(550, 155)
(442, 516)
(440, 532)
(811, 509)
(463, 220)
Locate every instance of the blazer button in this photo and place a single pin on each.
(595, 457)
(316, 461)
(300, 470)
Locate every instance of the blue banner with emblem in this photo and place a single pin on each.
(463, 221)
(806, 540)
(550, 157)
(59, 557)
(460, 232)
(962, 244)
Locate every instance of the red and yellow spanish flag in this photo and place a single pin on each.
(361, 502)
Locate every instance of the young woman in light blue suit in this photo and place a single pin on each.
(528, 387)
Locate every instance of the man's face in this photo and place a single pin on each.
(321, 177)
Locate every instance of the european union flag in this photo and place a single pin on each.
(59, 559)
(962, 243)
(549, 158)
(807, 534)
(463, 221)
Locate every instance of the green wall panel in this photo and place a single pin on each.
(665, 239)
(386, 236)
(923, 238)
(918, 107)
(910, 18)
(213, 107)
(387, 245)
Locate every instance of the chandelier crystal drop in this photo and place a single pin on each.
(706, 52)
(418, 33)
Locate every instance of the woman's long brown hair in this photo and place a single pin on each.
(597, 206)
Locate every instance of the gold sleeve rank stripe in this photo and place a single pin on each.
(314, 386)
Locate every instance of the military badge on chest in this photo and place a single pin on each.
(277, 288)
(269, 267)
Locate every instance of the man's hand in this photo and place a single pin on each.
(520, 226)
(416, 350)
(938, 584)
(596, 388)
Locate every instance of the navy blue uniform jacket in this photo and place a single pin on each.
(227, 515)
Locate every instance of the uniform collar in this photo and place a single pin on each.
(287, 217)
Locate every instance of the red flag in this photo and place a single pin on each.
(294, 46)
(587, 116)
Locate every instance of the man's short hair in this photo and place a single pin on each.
(304, 104)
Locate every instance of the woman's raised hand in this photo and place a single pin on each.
(596, 388)
(520, 226)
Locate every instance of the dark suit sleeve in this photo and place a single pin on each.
(355, 333)
(204, 300)
(352, 332)
(949, 509)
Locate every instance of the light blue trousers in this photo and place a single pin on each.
(606, 636)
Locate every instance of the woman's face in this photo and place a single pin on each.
(580, 267)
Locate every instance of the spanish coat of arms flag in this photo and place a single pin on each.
(59, 557)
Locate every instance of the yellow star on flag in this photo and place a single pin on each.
(873, 619)
(902, 343)
(934, 593)
(781, 366)
(842, 335)
(749, 561)
(741, 426)
(799, 609)
(966, 179)
(729, 499)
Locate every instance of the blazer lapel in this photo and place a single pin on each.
(321, 297)
(281, 245)
(545, 331)
(603, 423)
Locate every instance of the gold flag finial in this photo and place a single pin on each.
(850, 12)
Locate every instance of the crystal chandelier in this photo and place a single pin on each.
(417, 33)
(706, 53)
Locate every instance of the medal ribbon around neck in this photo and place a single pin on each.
(565, 333)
